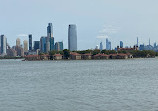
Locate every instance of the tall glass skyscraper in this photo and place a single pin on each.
(72, 37)
(108, 44)
(50, 38)
(30, 42)
(121, 44)
(36, 45)
(43, 44)
(3, 45)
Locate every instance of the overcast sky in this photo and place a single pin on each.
(95, 19)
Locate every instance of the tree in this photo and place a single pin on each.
(66, 53)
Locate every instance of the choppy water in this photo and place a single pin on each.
(110, 85)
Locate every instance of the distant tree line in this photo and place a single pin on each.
(135, 53)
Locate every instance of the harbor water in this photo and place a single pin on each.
(91, 85)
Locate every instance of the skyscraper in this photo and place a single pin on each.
(36, 45)
(137, 42)
(101, 46)
(72, 37)
(30, 42)
(43, 44)
(18, 42)
(25, 45)
(3, 45)
(50, 38)
(59, 46)
(121, 44)
(108, 44)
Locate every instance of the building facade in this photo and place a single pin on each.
(72, 37)
(108, 44)
(18, 42)
(36, 45)
(50, 39)
(43, 44)
(121, 44)
(30, 42)
(25, 45)
(3, 45)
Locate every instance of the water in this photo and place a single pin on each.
(107, 85)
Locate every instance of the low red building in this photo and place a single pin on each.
(75, 56)
(101, 56)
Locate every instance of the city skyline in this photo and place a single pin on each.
(118, 20)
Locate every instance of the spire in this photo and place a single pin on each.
(149, 41)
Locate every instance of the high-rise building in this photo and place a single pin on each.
(30, 42)
(59, 46)
(50, 38)
(121, 44)
(72, 37)
(108, 44)
(3, 45)
(155, 45)
(101, 46)
(36, 45)
(18, 42)
(43, 44)
(25, 45)
(137, 42)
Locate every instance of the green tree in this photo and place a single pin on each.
(66, 53)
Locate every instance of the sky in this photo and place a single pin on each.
(118, 20)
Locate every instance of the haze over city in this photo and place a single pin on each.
(96, 20)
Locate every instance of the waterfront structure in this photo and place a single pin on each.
(36, 45)
(72, 37)
(108, 44)
(101, 46)
(43, 44)
(101, 56)
(57, 57)
(18, 42)
(50, 38)
(87, 56)
(3, 45)
(30, 42)
(25, 45)
(121, 44)
(75, 56)
(59, 46)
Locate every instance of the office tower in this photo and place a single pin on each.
(36, 45)
(30, 42)
(25, 45)
(137, 41)
(72, 38)
(18, 42)
(59, 46)
(43, 44)
(101, 46)
(3, 45)
(50, 38)
(155, 45)
(108, 44)
(121, 44)
(149, 41)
